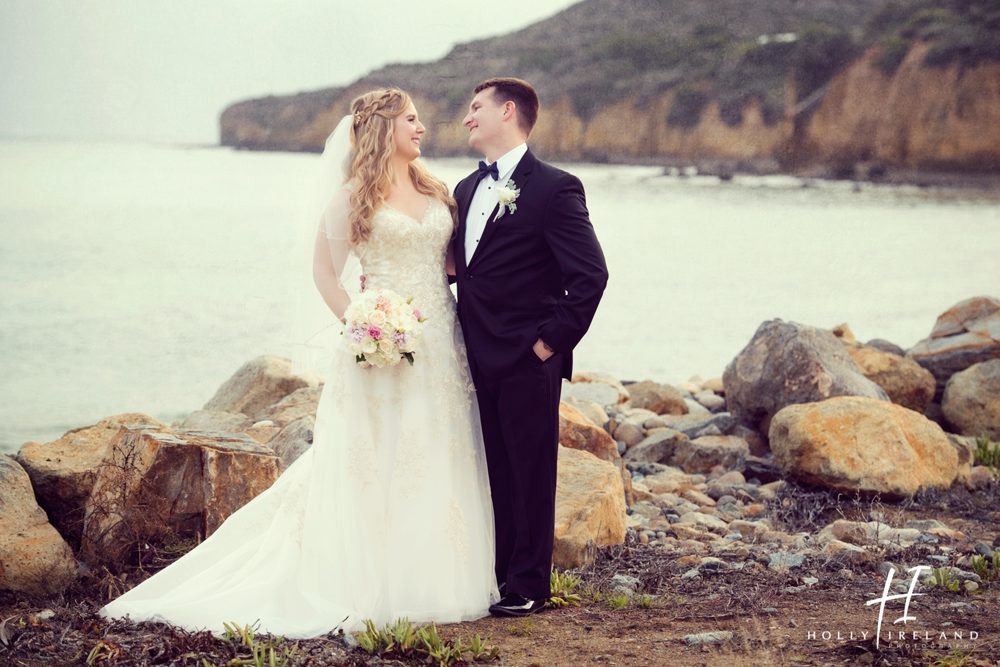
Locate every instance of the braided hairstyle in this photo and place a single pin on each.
(372, 147)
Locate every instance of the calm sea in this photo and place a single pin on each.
(137, 277)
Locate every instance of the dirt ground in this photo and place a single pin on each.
(775, 617)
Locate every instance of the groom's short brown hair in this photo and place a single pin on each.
(518, 91)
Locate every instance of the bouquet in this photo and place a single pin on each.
(382, 328)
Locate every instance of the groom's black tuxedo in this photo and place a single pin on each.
(537, 273)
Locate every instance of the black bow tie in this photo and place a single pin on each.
(491, 170)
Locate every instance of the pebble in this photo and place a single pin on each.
(785, 560)
(984, 550)
(708, 638)
(925, 524)
(710, 400)
(712, 564)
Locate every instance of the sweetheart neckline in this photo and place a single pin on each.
(430, 202)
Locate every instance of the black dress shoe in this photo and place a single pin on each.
(517, 605)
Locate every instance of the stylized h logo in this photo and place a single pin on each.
(886, 597)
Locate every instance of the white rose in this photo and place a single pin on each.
(377, 318)
(505, 194)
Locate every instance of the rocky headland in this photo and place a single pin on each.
(851, 89)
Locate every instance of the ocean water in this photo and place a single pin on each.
(139, 277)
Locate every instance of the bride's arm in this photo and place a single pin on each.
(330, 253)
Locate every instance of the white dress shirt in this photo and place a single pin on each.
(485, 199)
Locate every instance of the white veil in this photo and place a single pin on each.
(313, 330)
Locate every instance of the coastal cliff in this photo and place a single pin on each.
(779, 87)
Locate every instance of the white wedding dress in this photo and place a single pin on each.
(387, 514)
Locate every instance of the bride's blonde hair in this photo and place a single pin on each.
(372, 148)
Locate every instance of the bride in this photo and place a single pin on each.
(388, 513)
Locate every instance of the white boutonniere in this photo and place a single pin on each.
(507, 194)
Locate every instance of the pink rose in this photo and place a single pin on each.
(374, 333)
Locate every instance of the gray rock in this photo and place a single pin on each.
(34, 557)
(593, 392)
(710, 400)
(696, 408)
(655, 422)
(786, 363)
(592, 411)
(703, 454)
(924, 524)
(697, 425)
(214, 421)
(984, 550)
(971, 401)
(659, 398)
(708, 638)
(705, 520)
(257, 385)
(965, 334)
(712, 564)
(656, 448)
(630, 433)
(623, 583)
(293, 440)
(785, 560)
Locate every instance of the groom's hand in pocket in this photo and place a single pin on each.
(542, 350)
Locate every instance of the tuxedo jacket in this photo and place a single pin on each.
(537, 273)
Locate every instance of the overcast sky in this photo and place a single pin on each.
(163, 70)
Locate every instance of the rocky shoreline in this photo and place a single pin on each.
(809, 455)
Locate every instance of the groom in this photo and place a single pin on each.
(530, 274)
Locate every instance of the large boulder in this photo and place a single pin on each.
(905, 381)
(786, 363)
(298, 404)
(257, 385)
(578, 432)
(971, 400)
(657, 447)
(702, 454)
(155, 483)
(590, 508)
(862, 444)
(214, 420)
(63, 471)
(659, 398)
(34, 558)
(966, 334)
(293, 440)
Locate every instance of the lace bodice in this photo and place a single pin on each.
(407, 256)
